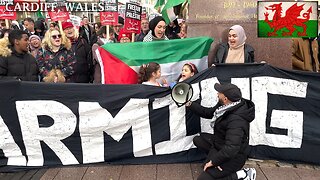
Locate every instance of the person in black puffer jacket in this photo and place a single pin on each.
(228, 147)
(15, 61)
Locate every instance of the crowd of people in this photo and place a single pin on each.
(67, 54)
(34, 51)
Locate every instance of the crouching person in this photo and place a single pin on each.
(228, 147)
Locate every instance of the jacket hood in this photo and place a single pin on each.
(5, 51)
(246, 110)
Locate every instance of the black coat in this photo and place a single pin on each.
(92, 35)
(231, 131)
(223, 49)
(83, 68)
(18, 66)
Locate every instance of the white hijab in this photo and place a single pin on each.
(241, 34)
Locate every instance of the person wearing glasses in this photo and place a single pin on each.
(56, 55)
(144, 30)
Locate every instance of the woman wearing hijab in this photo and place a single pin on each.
(236, 50)
(157, 30)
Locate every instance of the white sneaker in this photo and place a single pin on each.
(250, 173)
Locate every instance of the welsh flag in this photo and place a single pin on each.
(287, 19)
(120, 63)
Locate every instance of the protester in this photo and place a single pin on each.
(15, 61)
(87, 32)
(124, 37)
(54, 25)
(83, 68)
(150, 73)
(102, 36)
(305, 54)
(117, 27)
(157, 28)
(4, 33)
(228, 147)
(236, 50)
(29, 25)
(39, 28)
(183, 31)
(102, 39)
(144, 30)
(34, 45)
(56, 54)
(97, 26)
(188, 70)
(16, 25)
(172, 30)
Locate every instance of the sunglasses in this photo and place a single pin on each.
(56, 36)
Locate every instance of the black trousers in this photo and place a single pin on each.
(205, 143)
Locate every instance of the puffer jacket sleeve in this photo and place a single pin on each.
(205, 112)
(220, 54)
(3, 67)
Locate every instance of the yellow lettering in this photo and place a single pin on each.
(229, 5)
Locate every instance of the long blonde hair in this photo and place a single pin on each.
(46, 42)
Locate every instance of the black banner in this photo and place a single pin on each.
(67, 124)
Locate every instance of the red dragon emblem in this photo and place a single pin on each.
(290, 19)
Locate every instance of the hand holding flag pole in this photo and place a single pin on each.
(7, 23)
(107, 31)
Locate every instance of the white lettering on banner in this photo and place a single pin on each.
(244, 85)
(179, 141)
(134, 114)
(93, 121)
(10, 149)
(209, 99)
(290, 120)
(64, 125)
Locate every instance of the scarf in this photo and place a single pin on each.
(221, 110)
(149, 37)
(236, 55)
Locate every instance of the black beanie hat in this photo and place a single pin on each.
(153, 23)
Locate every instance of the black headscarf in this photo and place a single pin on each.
(153, 23)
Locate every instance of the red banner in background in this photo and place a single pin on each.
(7, 14)
(109, 18)
(110, 15)
(132, 25)
(60, 14)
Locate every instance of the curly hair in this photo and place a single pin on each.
(146, 70)
(46, 42)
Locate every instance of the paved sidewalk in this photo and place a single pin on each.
(266, 170)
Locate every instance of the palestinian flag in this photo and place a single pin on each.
(168, 10)
(120, 63)
(287, 19)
